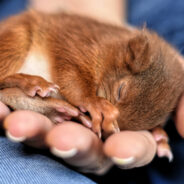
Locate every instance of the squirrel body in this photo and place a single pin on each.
(124, 77)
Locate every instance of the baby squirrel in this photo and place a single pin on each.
(126, 78)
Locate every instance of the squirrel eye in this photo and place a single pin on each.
(119, 90)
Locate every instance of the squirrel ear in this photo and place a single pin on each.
(137, 54)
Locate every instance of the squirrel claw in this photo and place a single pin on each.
(99, 135)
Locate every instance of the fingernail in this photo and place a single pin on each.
(123, 161)
(64, 154)
(15, 139)
(166, 153)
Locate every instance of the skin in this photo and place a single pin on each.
(110, 11)
(69, 137)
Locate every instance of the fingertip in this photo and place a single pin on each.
(115, 145)
(78, 146)
(69, 135)
(26, 123)
(179, 120)
(130, 149)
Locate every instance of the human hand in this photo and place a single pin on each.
(78, 145)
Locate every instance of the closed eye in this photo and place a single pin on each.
(119, 90)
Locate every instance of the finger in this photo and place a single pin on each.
(4, 111)
(179, 117)
(130, 149)
(27, 126)
(79, 147)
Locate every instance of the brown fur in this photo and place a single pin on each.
(89, 59)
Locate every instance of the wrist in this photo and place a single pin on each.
(110, 11)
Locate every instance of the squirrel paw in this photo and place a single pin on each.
(103, 114)
(30, 85)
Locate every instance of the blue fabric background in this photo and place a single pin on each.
(165, 17)
(22, 165)
(10, 7)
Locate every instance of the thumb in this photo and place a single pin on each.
(179, 116)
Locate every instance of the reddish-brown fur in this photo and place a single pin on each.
(88, 59)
